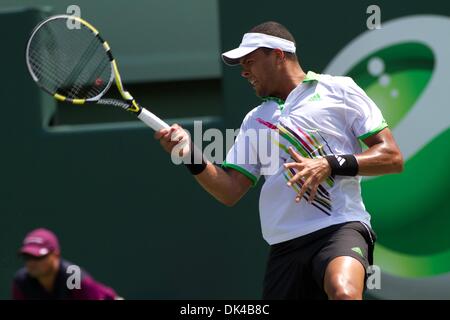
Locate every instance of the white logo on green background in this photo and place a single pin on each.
(405, 69)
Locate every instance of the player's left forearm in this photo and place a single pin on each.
(379, 159)
(382, 157)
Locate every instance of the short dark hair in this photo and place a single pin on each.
(275, 29)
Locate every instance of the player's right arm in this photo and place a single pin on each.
(227, 186)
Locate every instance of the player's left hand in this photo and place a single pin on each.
(311, 172)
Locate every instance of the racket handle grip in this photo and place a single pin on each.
(152, 120)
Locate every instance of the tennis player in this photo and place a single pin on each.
(46, 275)
(311, 210)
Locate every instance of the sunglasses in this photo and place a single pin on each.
(28, 257)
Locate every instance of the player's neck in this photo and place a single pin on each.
(292, 77)
(48, 281)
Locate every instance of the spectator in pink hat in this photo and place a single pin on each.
(47, 275)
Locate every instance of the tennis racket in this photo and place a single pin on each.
(67, 58)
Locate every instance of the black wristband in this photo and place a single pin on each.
(343, 165)
(194, 166)
(196, 169)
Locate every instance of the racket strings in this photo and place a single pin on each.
(47, 71)
(83, 79)
(46, 65)
(70, 62)
(76, 75)
(102, 65)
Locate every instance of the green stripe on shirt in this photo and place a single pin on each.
(246, 173)
(374, 131)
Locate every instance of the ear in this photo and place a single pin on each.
(280, 56)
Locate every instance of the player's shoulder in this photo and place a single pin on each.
(341, 86)
(265, 109)
(68, 268)
(340, 82)
(21, 277)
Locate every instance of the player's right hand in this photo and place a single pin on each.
(170, 137)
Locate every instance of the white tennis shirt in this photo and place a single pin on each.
(324, 115)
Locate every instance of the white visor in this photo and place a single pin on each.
(251, 42)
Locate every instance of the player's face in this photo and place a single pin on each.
(40, 266)
(258, 68)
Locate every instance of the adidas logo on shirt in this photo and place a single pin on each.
(315, 97)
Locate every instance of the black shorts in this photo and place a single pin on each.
(296, 268)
